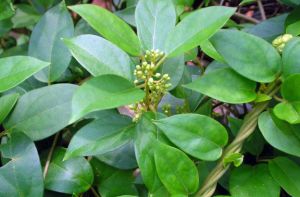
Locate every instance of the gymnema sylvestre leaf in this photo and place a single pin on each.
(100, 56)
(110, 27)
(250, 56)
(46, 44)
(198, 135)
(42, 112)
(22, 176)
(15, 69)
(104, 92)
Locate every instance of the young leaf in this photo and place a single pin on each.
(104, 92)
(176, 171)
(15, 69)
(99, 56)
(247, 181)
(46, 44)
(225, 85)
(198, 135)
(42, 112)
(22, 175)
(101, 136)
(180, 40)
(248, 55)
(73, 176)
(7, 9)
(155, 19)
(289, 112)
(7, 102)
(287, 174)
(290, 58)
(280, 134)
(110, 27)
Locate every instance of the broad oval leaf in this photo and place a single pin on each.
(207, 47)
(110, 27)
(289, 88)
(46, 44)
(104, 92)
(73, 176)
(101, 136)
(289, 112)
(247, 181)
(155, 19)
(15, 69)
(42, 112)
(290, 60)
(198, 135)
(225, 85)
(176, 171)
(22, 175)
(180, 40)
(7, 102)
(287, 174)
(248, 55)
(100, 56)
(280, 134)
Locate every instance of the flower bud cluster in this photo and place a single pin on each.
(155, 84)
(280, 41)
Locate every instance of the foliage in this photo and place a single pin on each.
(148, 98)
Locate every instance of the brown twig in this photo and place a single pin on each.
(262, 10)
(247, 18)
(50, 155)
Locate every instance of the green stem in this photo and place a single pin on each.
(247, 128)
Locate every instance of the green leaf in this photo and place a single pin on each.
(291, 62)
(127, 14)
(174, 67)
(289, 87)
(198, 135)
(230, 88)
(99, 56)
(176, 171)
(280, 134)
(287, 174)
(7, 102)
(245, 2)
(25, 16)
(42, 112)
(247, 181)
(101, 136)
(73, 176)
(22, 175)
(15, 69)
(248, 55)
(46, 44)
(291, 2)
(292, 22)
(144, 142)
(209, 50)
(104, 92)
(155, 19)
(289, 112)
(110, 27)
(112, 182)
(180, 40)
(269, 29)
(7, 9)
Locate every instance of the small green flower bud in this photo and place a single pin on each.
(280, 41)
(157, 75)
